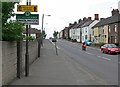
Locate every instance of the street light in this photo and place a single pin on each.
(42, 26)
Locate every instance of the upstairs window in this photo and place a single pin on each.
(109, 28)
(103, 30)
(115, 28)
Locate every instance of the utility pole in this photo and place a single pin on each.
(42, 29)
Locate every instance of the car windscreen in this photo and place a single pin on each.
(112, 46)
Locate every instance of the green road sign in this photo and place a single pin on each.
(31, 19)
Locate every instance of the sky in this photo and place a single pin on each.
(64, 12)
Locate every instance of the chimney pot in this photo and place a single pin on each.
(70, 24)
(75, 22)
(115, 12)
(84, 18)
(79, 20)
(96, 16)
(89, 18)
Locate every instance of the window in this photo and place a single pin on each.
(109, 28)
(85, 36)
(103, 30)
(93, 32)
(82, 30)
(115, 28)
(86, 30)
(115, 39)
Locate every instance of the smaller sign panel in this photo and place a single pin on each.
(23, 8)
(29, 21)
(32, 19)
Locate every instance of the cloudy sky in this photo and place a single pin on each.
(64, 12)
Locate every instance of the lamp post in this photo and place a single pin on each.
(42, 27)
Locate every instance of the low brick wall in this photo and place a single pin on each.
(9, 59)
(0, 63)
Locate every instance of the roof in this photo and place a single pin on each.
(75, 26)
(72, 26)
(87, 23)
(79, 24)
(32, 31)
(109, 20)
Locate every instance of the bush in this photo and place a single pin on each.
(98, 44)
(12, 31)
(30, 38)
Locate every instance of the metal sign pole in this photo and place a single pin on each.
(27, 54)
(56, 48)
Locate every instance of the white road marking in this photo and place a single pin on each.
(89, 53)
(58, 47)
(104, 58)
(94, 48)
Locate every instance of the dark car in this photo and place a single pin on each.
(110, 48)
(54, 40)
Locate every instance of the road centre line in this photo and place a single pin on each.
(93, 54)
(89, 53)
(104, 58)
(94, 48)
(99, 56)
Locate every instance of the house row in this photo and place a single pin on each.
(99, 30)
(35, 33)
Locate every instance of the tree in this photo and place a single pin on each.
(44, 34)
(11, 31)
(55, 34)
(7, 11)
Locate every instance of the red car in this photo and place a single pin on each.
(110, 49)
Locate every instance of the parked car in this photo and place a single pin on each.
(74, 40)
(54, 40)
(110, 48)
(88, 42)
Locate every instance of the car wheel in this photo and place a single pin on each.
(109, 52)
(102, 51)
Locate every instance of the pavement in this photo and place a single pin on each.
(52, 69)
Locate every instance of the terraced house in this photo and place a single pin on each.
(87, 28)
(76, 32)
(107, 30)
(113, 27)
(100, 32)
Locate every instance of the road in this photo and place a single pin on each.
(93, 61)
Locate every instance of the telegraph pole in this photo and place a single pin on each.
(42, 29)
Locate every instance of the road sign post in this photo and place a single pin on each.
(28, 19)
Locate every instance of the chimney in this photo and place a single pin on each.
(70, 24)
(89, 18)
(75, 22)
(79, 20)
(96, 16)
(115, 12)
(102, 18)
(84, 18)
(119, 6)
